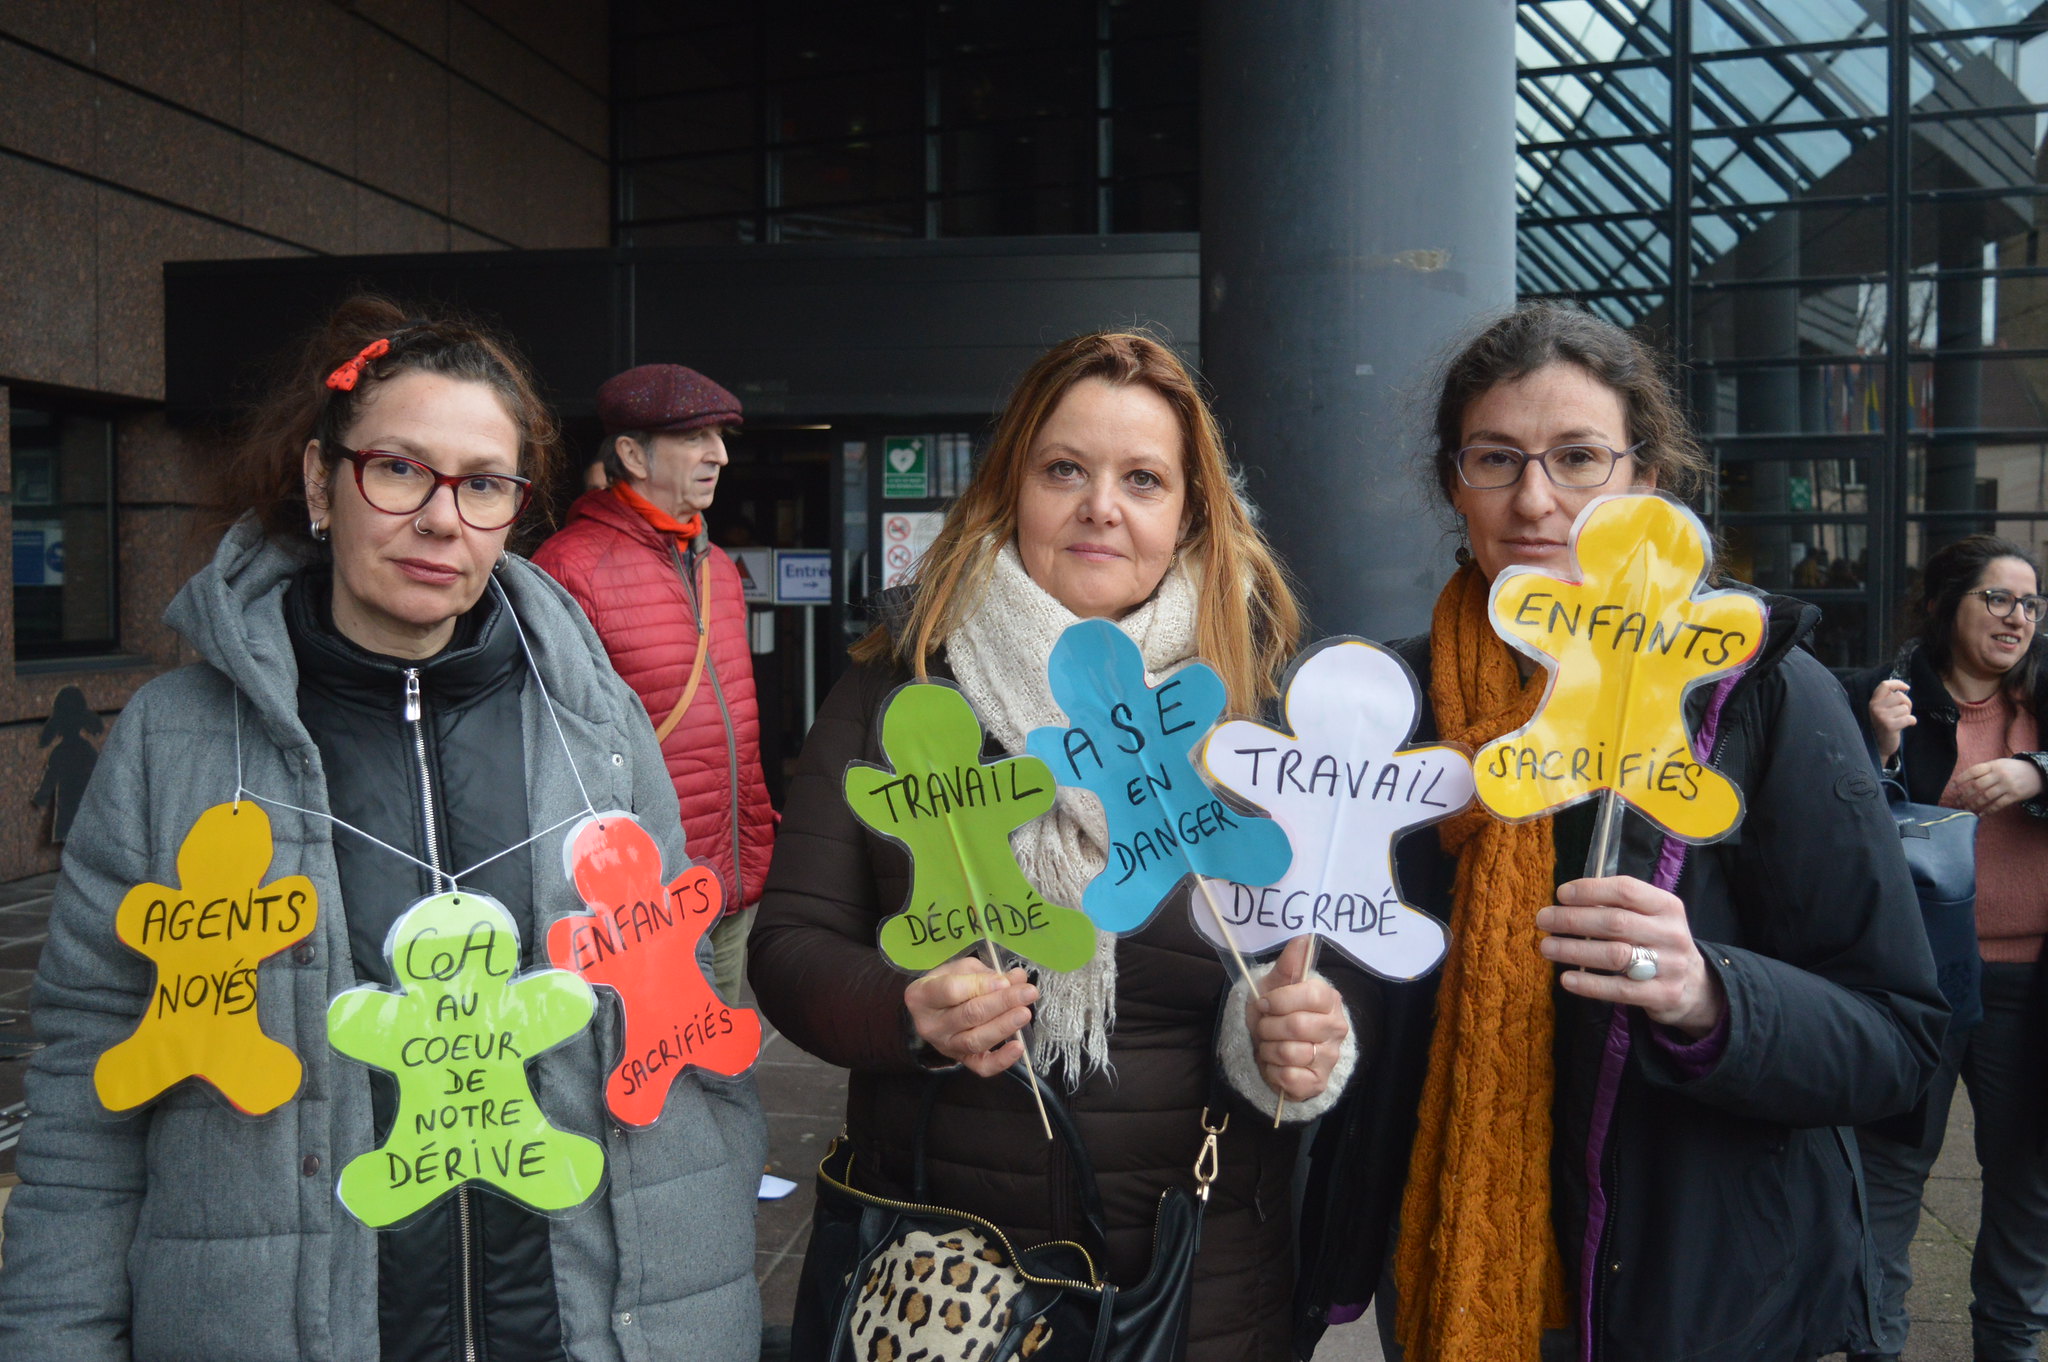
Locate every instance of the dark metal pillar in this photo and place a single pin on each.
(1958, 382)
(1358, 164)
(1767, 399)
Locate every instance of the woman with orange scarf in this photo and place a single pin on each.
(1602, 1161)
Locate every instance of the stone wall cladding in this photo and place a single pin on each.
(134, 133)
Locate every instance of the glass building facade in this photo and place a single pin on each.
(801, 120)
(1827, 208)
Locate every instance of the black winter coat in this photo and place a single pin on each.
(1734, 1227)
(450, 791)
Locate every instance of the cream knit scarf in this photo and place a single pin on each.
(998, 655)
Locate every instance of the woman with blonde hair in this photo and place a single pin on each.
(1105, 494)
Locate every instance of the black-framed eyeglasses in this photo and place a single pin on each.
(1578, 466)
(2000, 602)
(397, 485)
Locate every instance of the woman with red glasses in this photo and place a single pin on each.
(414, 709)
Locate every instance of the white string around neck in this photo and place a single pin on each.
(534, 667)
(453, 878)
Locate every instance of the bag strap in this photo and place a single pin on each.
(1911, 814)
(1063, 1126)
(675, 716)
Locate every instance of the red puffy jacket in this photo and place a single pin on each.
(642, 600)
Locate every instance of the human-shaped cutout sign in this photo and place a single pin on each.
(1624, 641)
(458, 1034)
(954, 814)
(1130, 745)
(640, 941)
(206, 937)
(1344, 783)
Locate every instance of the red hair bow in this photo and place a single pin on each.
(344, 379)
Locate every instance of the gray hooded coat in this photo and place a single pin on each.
(188, 1231)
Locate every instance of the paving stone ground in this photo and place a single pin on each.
(805, 1099)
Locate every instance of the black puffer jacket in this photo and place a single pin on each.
(825, 985)
(1735, 1228)
(451, 791)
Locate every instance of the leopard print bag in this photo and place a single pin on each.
(901, 1281)
(948, 1295)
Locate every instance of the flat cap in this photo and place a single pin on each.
(664, 397)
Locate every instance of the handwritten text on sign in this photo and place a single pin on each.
(1129, 744)
(206, 938)
(954, 813)
(1344, 784)
(641, 942)
(457, 1036)
(1624, 644)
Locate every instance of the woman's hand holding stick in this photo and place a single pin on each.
(974, 1014)
(1298, 1027)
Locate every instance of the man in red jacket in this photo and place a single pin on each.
(666, 602)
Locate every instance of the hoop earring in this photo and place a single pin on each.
(318, 530)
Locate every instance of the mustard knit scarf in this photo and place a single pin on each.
(1477, 1266)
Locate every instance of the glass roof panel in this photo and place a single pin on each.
(1942, 14)
(1553, 107)
(1781, 87)
(1752, 109)
(1727, 25)
(1555, 32)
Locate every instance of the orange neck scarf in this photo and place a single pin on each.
(683, 530)
(1477, 1267)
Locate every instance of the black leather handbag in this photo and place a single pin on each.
(1941, 850)
(885, 1278)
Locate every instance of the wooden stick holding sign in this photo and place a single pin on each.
(1345, 782)
(954, 813)
(1130, 744)
(1625, 640)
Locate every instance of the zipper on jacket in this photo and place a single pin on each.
(417, 729)
(844, 1182)
(698, 611)
(465, 1225)
(465, 1234)
(1060, 1176)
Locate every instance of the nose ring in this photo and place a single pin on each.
(419, 527)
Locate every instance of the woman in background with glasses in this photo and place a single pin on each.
(1603, 1129)
(365, 679)
(1956, 719)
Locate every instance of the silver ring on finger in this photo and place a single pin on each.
(1642, 964)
